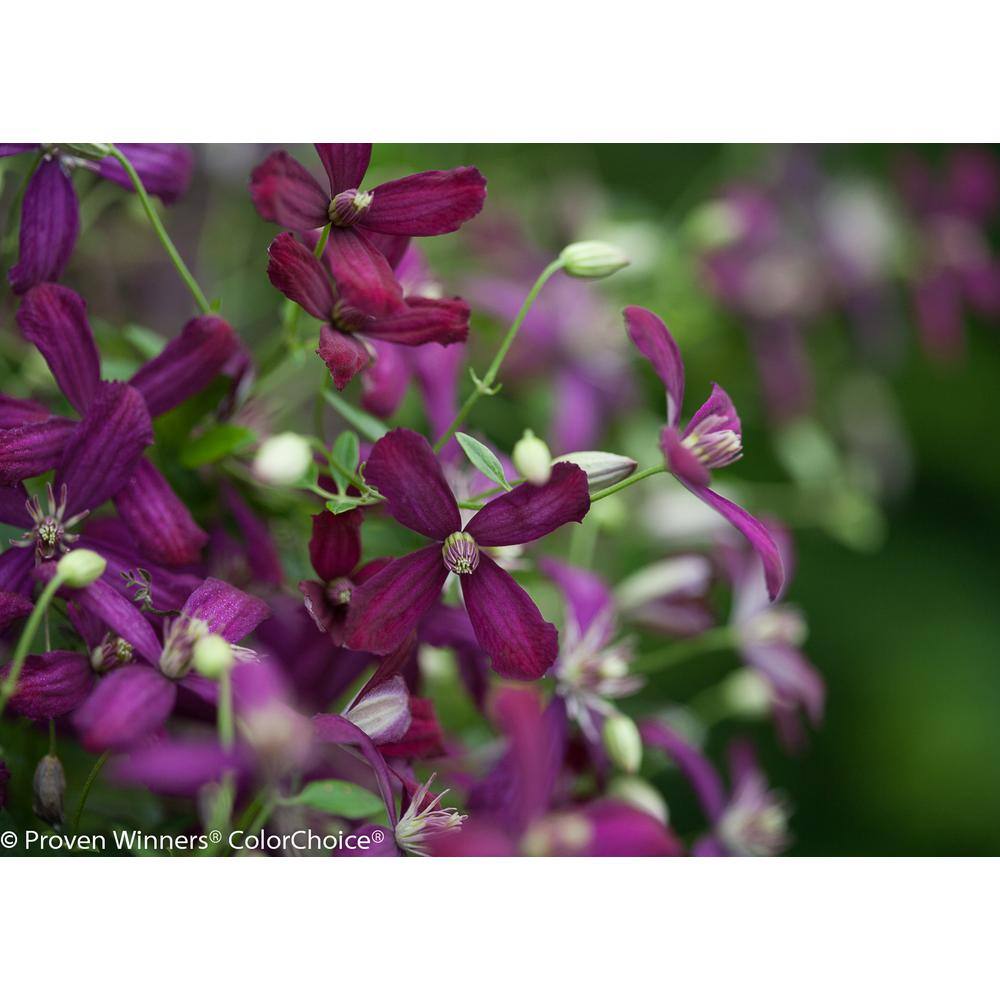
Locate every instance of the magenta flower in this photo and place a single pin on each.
(50, 212)
(506, 621)
(295, 272)
(712, 438)
(426, 204)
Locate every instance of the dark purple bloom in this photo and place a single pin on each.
(425, 204)
(342, 344)
(50, 212)
(507, 624)
(712, 438)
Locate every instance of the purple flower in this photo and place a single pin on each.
(669, 596)
(507, 624)
(50, 212)
(712, 438)
(342, 344)
(425, 204)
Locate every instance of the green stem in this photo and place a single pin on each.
(484, 386)
(626, 483)
(27, 637)
(711, 641)
(154, 219)
(87, 785)
(227, 731)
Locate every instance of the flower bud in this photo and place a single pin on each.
(602, 467)
(746, 693)
(283, 460)
(212, 656)
(592, 259)
(384, 713)
(81, 567)
(532, 459)
(86, 150)
(50, 789)
(640, 794)
(623, 742)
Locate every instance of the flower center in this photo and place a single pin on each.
(114, 651)
(424, 819)
(339, 591)
(49, 533)
(460, 552)
(349, 206)
(714, 445)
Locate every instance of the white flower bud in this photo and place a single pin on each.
(212, 656)
(603, 468)
(81, 567)
(283, 460)
(383, 713)
(640, 794)
(623, 742)
(532, 459)
(592, 259)
(746, 693)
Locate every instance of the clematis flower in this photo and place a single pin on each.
(425, 204)
(751, 820)
(506, 621)
(712, 438)
(669, 596)
(50, 212)
(343, 346)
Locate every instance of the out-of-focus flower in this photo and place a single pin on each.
(711, 440)
(669, 596)
(385, 609)
(283, 460)
(50, 212)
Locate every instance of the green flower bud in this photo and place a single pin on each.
(81, 567)
(532, 459)
(746, 693)
(623, 742)
(49, 789)
(283, 460)
(86, 150)
(640, 794)
(602, 467)
(212, 656)
(592, 259)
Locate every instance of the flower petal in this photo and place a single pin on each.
(229, 612)
(507, 623)
(12, 607)
(50, 223)
(386, 381)
(169, 767)
(54, 319)
(13, 498)
(751, 529)
(363, 276)
(100, 457)
(404, 469)
(650, 334)
(33, 448)
(795, 680)
(283, 191)
(587, 596)
(261, 551)
(529, 512)
(383, 712)
(162, 525)
(51, 685)
(164, 168)
(385, 610)
(680, 460)
(14, 412)
(423, 739)
(299, 276)
(698, 770)
(441, 321)
(427, 204)
(335, 544)
(345, 163)
(126, 706)
(16, 565)
(343, 355)
(187, 364)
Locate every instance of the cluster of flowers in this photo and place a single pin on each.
(180, 653)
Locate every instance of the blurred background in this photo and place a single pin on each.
(848, 298)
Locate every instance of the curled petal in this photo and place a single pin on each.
(716, 414)
(680, 460)
(162, 525)
(694, 765)
(385, 610)
(363, 276)
(383, 712)
(528, 512)
(283, 191)
(50, 223)
(54, 319)
(427, 204)
(335, 545)
(100, 457)
(424, 321)
(126, 706)
(187, 364)
(228, 611)
(344, 355)
(163, 167)
(34, 448)
(650, 334)
(299, 276)
(404, 469)
(507, 623)
(51, 685)
(345, 163)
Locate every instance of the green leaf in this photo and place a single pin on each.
(216, 444)
(342, 504)
(345, 452)
(483, 459)
(145, 341)
(368, 425)
(340, 798)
